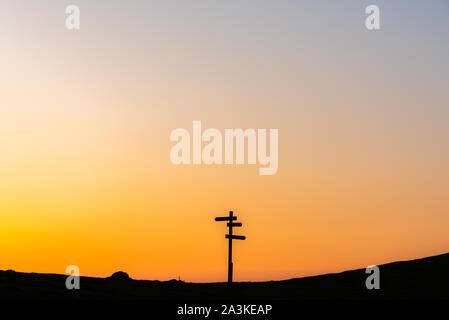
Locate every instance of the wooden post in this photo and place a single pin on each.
(230, 248)
(231, 236)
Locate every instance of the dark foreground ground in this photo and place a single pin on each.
(421, 279)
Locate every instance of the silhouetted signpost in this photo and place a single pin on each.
(231, 236)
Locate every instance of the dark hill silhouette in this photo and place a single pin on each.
(120, 275)
(426, 278)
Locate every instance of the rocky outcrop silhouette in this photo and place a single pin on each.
(120, 275)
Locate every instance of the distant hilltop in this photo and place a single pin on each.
(426, 278)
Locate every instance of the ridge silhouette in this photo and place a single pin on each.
(425, 278)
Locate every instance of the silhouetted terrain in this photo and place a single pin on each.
(426, 278)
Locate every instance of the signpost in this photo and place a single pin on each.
(231, 236)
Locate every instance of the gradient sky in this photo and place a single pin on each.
(85, 120)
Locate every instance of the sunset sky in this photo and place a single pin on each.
(85, 120)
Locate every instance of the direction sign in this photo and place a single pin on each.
(231, 236)
(234, 224)
(225, 218)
